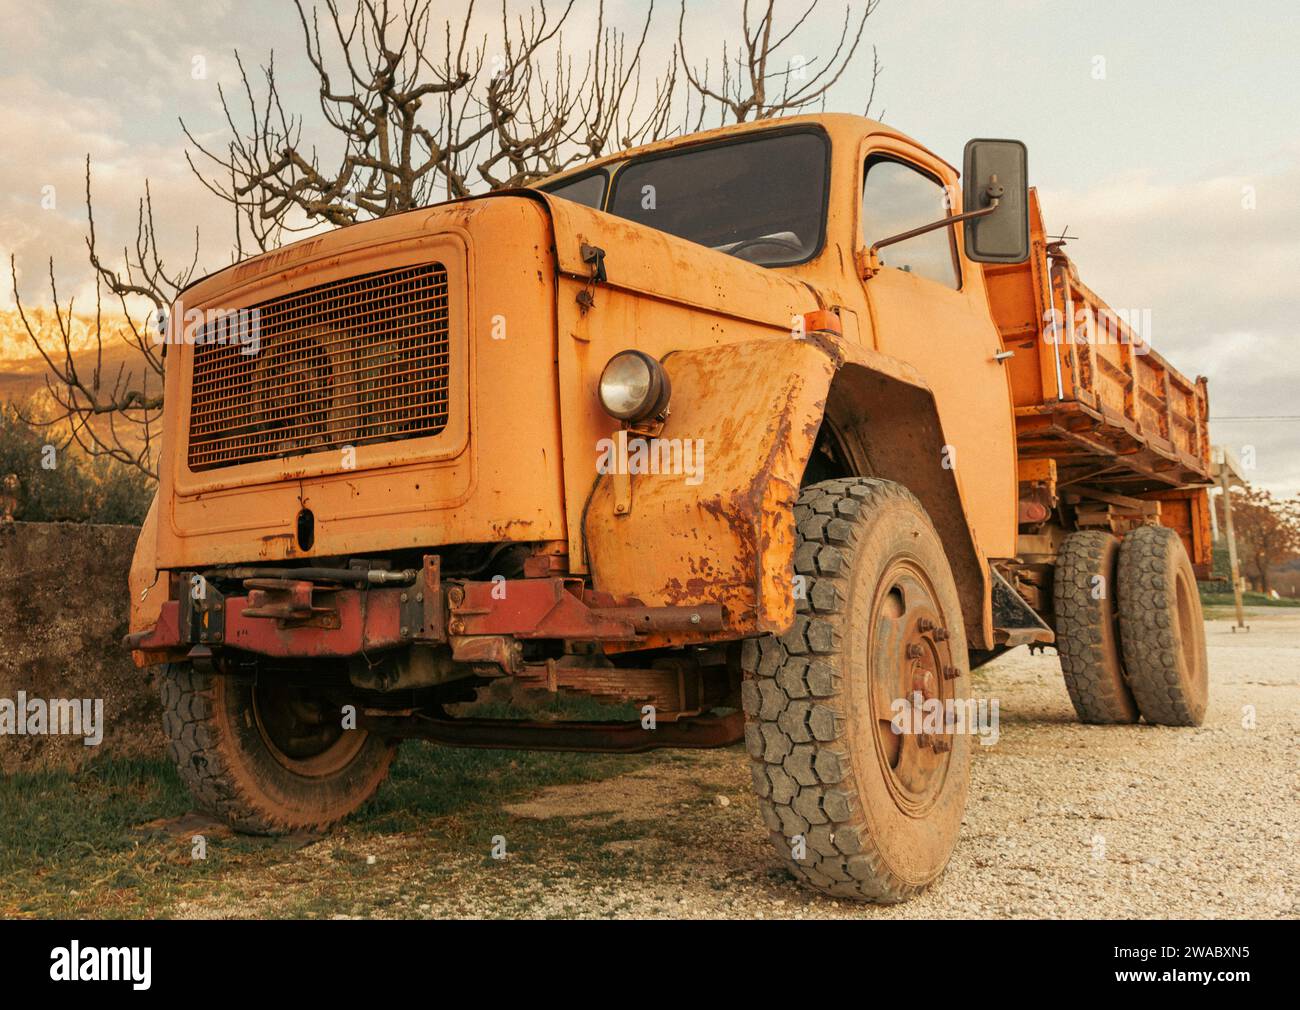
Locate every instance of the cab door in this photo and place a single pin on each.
(929, 308)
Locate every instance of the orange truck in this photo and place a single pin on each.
(773, 432)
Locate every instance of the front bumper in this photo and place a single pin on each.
(481, 621)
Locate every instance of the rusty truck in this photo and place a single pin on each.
(756, 434)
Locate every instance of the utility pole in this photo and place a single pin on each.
(1227, 473)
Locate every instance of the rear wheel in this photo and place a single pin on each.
(857, 809)
(268, 757)
(1087, 632)
(1162, 629)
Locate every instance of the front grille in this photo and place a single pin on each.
(346, 363)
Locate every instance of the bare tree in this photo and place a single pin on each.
(109, 413)
(543, 125)
(412, 119)
(752, 86)
(411, 110)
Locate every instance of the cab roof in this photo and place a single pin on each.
(839, 126)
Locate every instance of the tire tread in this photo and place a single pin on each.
(800, 767)
(1094, 680)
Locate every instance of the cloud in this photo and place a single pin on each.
(1215, 261)
(108, 80)
(43, 213)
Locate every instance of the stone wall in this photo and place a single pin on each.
(63, 612)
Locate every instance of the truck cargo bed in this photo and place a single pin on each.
(1117, 420)
(1088, 390)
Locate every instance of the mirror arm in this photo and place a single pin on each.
(873, 261)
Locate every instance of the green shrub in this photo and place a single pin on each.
(75, 488)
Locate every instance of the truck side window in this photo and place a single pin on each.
(897, 197)
(588, 190)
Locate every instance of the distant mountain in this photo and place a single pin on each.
(23, 371)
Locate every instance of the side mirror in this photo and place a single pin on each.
(996, 170)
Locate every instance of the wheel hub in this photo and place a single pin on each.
(303, 730)
(912, 675)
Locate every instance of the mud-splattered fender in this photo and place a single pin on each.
(725, 533)
(751, 412)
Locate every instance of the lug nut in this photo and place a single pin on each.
(925, 624)
(941, 745)
(951, 673)
(914, 651)
(941, 634)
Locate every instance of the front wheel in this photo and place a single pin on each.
(856, 808)
(267, 757)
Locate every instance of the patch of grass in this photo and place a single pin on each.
(69, 845)
(69, 848)
(428, 781)
(1247, 599)
(52, 818)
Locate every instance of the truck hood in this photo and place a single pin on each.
(637, 258)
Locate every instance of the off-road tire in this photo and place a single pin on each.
(217, 741)
(1162, 629)
(1087, 629)
(817, 759)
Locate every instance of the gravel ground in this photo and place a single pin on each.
(1065, 820)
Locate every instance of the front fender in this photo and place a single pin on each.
(747, 416)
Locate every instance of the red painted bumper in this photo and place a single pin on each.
(293, 618)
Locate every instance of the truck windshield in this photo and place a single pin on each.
(762, 199)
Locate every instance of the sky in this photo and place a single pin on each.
(1165, 135)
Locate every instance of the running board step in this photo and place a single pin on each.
(1014, 620)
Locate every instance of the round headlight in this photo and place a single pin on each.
(634, 387)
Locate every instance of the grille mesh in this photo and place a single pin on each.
(346, 363)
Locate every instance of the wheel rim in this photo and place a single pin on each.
(302, 730)
(1189, 625)
(910, 653)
